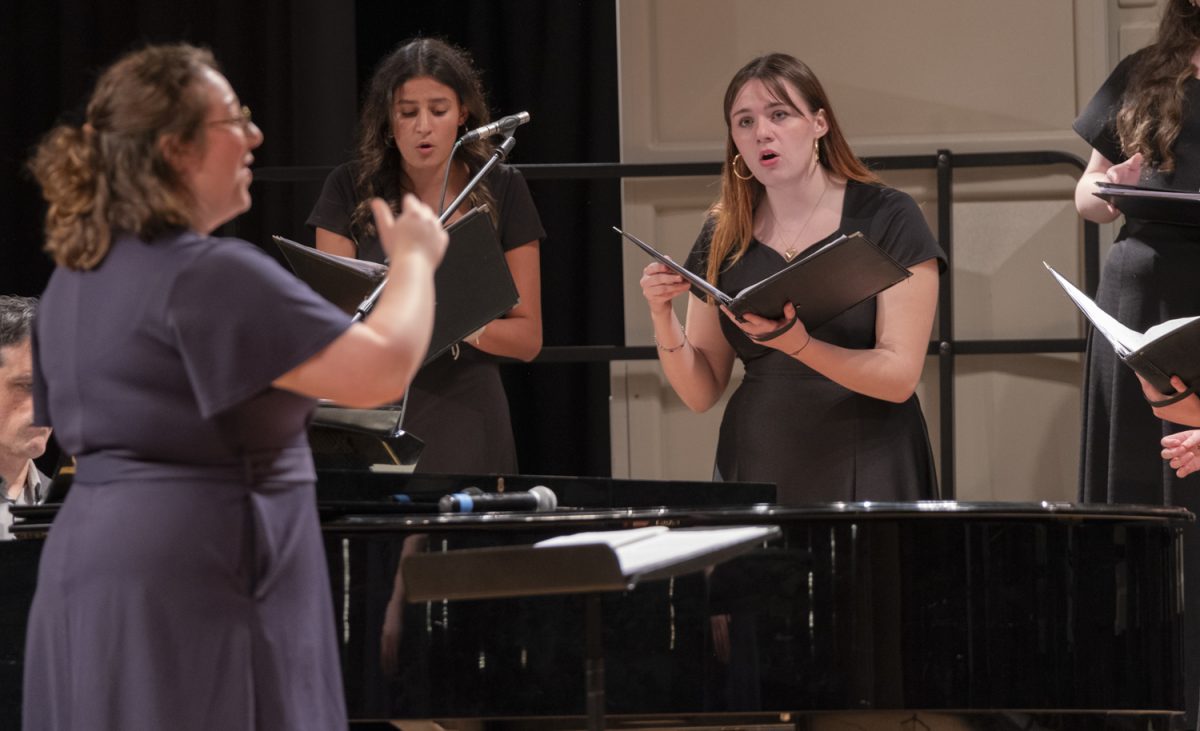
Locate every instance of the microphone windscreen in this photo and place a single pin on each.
(546, 499)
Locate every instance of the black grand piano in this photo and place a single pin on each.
(916, 616)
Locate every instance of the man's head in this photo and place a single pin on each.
(18, 436)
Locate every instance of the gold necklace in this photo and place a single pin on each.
(790, 252)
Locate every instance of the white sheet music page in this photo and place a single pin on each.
(1123, 339)
(641, 549)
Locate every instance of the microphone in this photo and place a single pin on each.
(473, 500)
(502, 126)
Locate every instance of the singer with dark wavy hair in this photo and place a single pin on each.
(423, 96)
(1143, 125)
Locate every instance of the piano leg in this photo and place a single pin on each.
(594, 664)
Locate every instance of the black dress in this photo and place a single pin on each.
(183, 585)
(1149, 275)
(789, 425)
(456, 405)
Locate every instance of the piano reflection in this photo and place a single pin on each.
(935, 615)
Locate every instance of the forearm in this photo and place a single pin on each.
(1185, 412)
(510, 337)
(1088, 205)
(402, 318)
(688, 369)
(519, 333)
(879, 372)
(891, 370)
(374, 360)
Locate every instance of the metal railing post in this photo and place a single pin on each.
(945, 348)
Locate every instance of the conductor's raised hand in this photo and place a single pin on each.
(416, 231)
(660, 285)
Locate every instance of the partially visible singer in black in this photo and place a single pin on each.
(424, 96)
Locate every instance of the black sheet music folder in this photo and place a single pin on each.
(1160, 205)
(822, 284)
(583, 562)
(473, 285)
(363, 439)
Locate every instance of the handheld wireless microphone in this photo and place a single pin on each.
(473, 500)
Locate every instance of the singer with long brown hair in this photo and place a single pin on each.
(1143, 125)
(829, 414)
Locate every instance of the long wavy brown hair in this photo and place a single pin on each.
(733, 213)
(380, 165)
(110, 174)
(1151, 113)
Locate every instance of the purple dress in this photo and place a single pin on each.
(183, 584)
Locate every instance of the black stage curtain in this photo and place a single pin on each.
(299, 65)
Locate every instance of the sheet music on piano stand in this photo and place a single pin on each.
(582, 563)
(577, 563)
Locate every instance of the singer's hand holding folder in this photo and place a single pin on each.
(1160, 205)
(821, 284)
(1169, 348)
(472, 285)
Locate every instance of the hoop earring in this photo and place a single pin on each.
(733, 166)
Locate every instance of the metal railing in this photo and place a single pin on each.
(944, 345)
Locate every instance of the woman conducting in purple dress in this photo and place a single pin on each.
(183, 585)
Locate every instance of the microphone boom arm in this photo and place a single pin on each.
(501, 153)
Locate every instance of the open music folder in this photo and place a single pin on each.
(472, 285)
(821, 284)
(1170, 348)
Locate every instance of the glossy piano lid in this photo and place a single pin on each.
(592, 519)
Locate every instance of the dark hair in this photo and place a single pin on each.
(733, 213)
(1151, 113)
(110, 174)
(16, 320)
(380, 166)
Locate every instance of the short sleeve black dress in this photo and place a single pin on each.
(1149, 275)
(456, 404)
(183, 584)
(789, 425)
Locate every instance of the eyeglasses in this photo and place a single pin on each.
(243, 120)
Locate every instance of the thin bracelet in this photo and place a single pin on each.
(796, 352)
(665, 349)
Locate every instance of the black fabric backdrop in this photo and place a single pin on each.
(299, 65)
